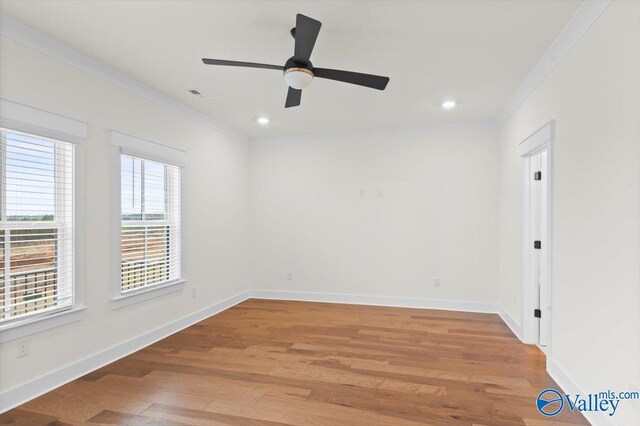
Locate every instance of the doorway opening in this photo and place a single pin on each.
(536, 155)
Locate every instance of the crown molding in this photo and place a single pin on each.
(315, 137)
(585, 16)
(43, 44)
(588, 12)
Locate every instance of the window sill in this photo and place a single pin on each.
(30, 326)
(146, 294)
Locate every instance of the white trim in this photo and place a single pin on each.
(579, 23)
(43, 44)
(26, 392)
(585, 16)
(570, 386)
(78, 226)
(317, 137)
(147, 293)
(356, 299)
(33, 325)
(116, 222)
(148, 149)
(536, 141)
(24, 118)
(125, 144)
(511, 322)
(541, 139)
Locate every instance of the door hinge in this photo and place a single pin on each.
(537, 176)
(537, 313)
(537, 244)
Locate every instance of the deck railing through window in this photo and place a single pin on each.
(36, 225)
(150, 223)
(31, 291)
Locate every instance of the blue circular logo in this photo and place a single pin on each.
(549, 402)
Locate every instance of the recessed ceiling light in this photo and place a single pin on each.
(448, 104)
(263, 120)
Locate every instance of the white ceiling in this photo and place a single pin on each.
(476, 52)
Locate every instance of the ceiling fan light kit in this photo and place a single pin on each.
(299, 72)
(298, 78)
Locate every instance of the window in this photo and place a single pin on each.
(150, 223)
(36, 226)
(147, 200)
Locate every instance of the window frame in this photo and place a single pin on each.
(25, 119)
(122, 144)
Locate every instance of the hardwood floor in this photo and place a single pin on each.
(272, 362)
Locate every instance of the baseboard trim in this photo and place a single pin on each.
(570, 386)
(355, 299)
(28, 391)
(511, 322)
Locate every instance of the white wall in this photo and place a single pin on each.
(436, 215)
(437, 203)
(594, 96)
(216, 203)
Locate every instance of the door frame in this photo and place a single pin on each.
(540, 140)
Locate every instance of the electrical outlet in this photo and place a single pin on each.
(380, 193)
(289, 276)
(23, 350)
(436, 281)
(194, 292)
(363, 193)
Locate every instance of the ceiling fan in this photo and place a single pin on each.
(299, 72)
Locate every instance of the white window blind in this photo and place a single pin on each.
(150, 231)
(36, 225)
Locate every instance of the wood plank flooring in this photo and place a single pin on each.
(267, 362)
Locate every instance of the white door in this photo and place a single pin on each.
(538, 191)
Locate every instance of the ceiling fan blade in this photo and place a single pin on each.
(366, 80)
(307, 30)
(241, 64)
(293, 97)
